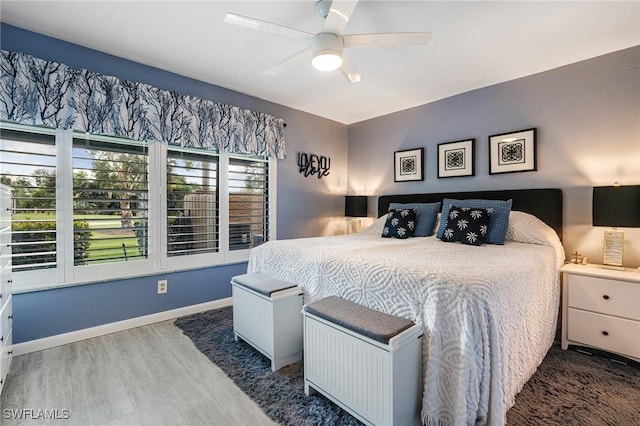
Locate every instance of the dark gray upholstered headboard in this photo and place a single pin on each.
(545, 204)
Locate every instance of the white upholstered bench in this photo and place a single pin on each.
(366, 361)
(266, 314)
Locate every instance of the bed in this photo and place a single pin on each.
(489, 312)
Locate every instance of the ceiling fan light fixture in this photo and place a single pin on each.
(327, 46)
(327, 60)
(327, 52)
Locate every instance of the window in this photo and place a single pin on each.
(28, 166)
(248, 202)
(110, 202)
(88, 207)
(192, 203)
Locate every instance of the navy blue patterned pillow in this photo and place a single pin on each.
(467, 225)
(400, 223)
(426, 216)
(499, 216)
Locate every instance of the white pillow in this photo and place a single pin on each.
(376, 227)
(526, 228)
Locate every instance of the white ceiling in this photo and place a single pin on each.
(474, 44)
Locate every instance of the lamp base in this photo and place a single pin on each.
(613, 248)
(355, 226)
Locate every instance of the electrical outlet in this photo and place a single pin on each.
(162, 286)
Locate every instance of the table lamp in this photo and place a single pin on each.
(355, 206)
(615, 206)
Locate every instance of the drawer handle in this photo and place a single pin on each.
(605, 297)
(10, 353)
(9, 281)
(605, 333)
(10, 316)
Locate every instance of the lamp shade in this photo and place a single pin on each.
(355, 206)
(616, 206)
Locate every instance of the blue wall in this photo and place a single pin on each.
(49, 312)
(305, 206)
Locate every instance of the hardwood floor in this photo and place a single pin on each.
(151, 375)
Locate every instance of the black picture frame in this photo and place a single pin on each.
(456, 159)
(408, 165)
(513, 152)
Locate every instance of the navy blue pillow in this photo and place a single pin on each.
(426, 216)
(467, 225)
(499, 221)
(400, 223)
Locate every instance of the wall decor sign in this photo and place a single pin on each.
(408, 165)
(456, 158)
(512, 152)
(312, 164)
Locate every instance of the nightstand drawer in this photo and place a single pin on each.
(605, 332)
(619, 298)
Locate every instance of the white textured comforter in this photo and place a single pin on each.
(489, 312)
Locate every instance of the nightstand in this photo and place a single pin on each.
(601, 309)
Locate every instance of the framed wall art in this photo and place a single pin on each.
(456, 158)
(512, 152)
(408, 165)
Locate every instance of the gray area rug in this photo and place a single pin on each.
(569, 388)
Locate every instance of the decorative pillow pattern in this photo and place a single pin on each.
(498, 223)
(467, 225)
(426, 214)
(400, 223)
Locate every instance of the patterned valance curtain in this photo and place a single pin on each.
(38, 92)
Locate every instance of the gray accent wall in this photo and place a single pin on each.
(588, 120)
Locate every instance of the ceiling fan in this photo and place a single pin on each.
(328, 45)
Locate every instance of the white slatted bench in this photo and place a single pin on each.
(366, 361)
(266, 314)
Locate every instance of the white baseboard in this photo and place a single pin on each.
(101, 330)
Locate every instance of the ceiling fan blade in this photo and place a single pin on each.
(386, 40)
(281, 66)
(349, 70)
(338, 16)
(270, 27)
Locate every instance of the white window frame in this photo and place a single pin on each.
(40, 275)
(67, 274)
(192, 260)
(111, 270)
(240, 255)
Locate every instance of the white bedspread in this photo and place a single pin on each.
(489, 312)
